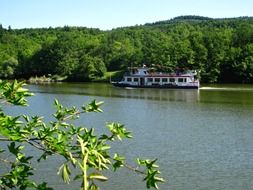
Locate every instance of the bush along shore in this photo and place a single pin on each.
(45, 79)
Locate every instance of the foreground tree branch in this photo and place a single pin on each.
(90, 154)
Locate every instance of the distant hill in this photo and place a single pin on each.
(189, 18)
(197, 19)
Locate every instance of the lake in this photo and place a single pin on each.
(203, 139)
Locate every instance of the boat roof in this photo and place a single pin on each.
(160, 75)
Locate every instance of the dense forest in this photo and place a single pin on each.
(220, 49)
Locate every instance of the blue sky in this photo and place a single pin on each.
(108, 14)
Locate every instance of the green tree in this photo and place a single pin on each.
(199, 50)
(89, 68)
(238, 66)
(81, 149)
(118, 50)
(218, 43)
(8, 67)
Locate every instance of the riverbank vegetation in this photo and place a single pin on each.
(221, 49)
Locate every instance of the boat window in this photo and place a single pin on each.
(129, 79)
(172, 80)
(136, 79)
(157, 79)
(164, 80)
(181, 79)
(150, 79)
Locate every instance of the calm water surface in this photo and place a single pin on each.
(203, 138)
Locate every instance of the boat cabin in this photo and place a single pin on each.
(145, 77)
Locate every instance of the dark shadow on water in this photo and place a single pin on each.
(218, 94)
(106, 90)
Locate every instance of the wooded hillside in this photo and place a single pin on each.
(221, 49)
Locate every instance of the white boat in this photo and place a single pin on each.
(143, 77)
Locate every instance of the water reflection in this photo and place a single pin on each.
(217, 94)
(162, 94)
(106, 90)
(227, 94)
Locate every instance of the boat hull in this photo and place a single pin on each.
(125, 85)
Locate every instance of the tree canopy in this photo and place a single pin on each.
(221, 49)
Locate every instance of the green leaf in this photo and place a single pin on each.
(93, 107)
(93, 187)
(119, 161)
(97, 176)
(118, 130)
(14, 92)
(151, 177)
(13, 149)
(64, 170)
(43, 186)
